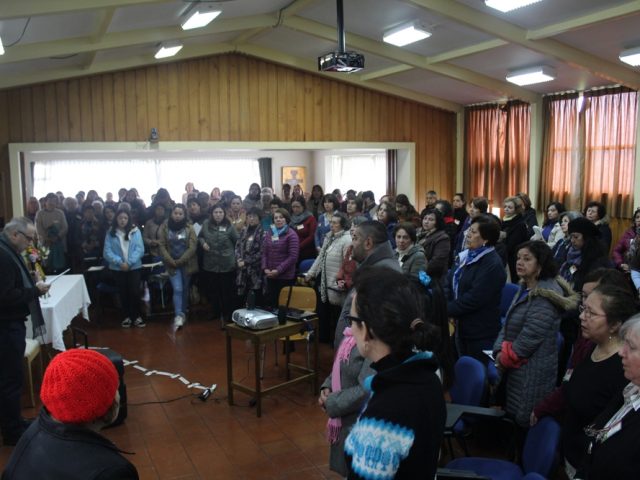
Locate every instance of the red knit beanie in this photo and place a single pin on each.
(79, 386)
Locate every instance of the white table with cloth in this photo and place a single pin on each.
(68, 297)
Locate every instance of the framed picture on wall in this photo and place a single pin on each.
(295, 176)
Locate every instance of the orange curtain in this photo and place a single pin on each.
(589, 150)
(497, 150)
(609, 149)
(560, 166)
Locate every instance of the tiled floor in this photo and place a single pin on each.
(191, 439)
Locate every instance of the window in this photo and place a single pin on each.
(108, 172)
(360, 172)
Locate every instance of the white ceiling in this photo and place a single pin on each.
(464, 62)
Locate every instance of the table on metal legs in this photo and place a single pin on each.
(265, 337)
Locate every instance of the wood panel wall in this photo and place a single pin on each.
(227, 98)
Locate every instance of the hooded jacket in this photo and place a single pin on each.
(532, 325)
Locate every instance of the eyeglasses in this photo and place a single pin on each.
(31, 239)
(351, 319)
(588, 313)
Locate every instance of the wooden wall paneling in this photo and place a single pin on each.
(130, 106)
(233, 113)
(62, 110)
(108, 117)
(143, 127)
(163, 101)
(203, 100)
(39, 133)
(262, 112)
(151, 95)
(86, 115)
(193, 112)
(184, 125)
(97, 109)
(319, 117)
(51, 129)
(244, 111)
(119, 107)
(253, 103)
(75, 123)
(223, 89)
(214, 98)
(308, 106)
(25, 120)
(173, 132)
(281, 105)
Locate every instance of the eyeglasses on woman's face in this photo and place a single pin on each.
(588, 313)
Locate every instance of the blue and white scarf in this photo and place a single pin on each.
(468, 257)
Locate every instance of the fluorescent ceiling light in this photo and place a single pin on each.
(200, 18)
(168, 50)
(529, 76)
(405, 34)
(1, 47)
(630, 56)
(508, 5)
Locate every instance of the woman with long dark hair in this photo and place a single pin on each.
(177, 245)
(123, 251)
(248, 253)
(218, 241)
(330, 205)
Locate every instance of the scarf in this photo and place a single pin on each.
(37, 320)
(278, 232)
(176, 226)
(298, 219)
(334, 425)
(468, 257)
(322, 256)
(574, 258)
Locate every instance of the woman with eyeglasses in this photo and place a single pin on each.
(614, 435)
(399, 432)
(592, 383)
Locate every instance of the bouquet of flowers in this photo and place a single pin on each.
(34, 258)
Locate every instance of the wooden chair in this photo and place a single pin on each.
(302, 298)
(31, 351)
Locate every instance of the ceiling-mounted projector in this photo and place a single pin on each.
(343, 62)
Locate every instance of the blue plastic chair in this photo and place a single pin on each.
(305, 265)
(508, 292)
(468, 389)
(538, 456)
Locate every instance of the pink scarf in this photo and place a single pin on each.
(334, 425)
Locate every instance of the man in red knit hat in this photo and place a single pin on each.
(80, 397)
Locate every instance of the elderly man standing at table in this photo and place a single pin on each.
(18, 299)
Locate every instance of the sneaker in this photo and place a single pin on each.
(139, 322)
(178, 321)
(126, 323)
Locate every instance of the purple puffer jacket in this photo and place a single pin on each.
(282, 254)
(621, 248)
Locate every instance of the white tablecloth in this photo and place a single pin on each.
(68, 297)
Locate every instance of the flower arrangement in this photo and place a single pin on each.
(34, 258)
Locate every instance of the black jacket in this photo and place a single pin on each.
(477, 308)
(49, 450)
(14, 297)
(400, 430)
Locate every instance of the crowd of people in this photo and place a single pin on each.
(391, 283)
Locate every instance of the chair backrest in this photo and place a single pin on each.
(470, 379)
(533, 476)
(508, 292)
(540, 447)
(305, 265)
(303, 298)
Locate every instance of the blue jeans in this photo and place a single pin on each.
(180, 284)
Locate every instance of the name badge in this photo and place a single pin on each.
(222, 229)
(573, 269)
(250, 239)
(300, 227)
(182, 236)
(274, 238)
